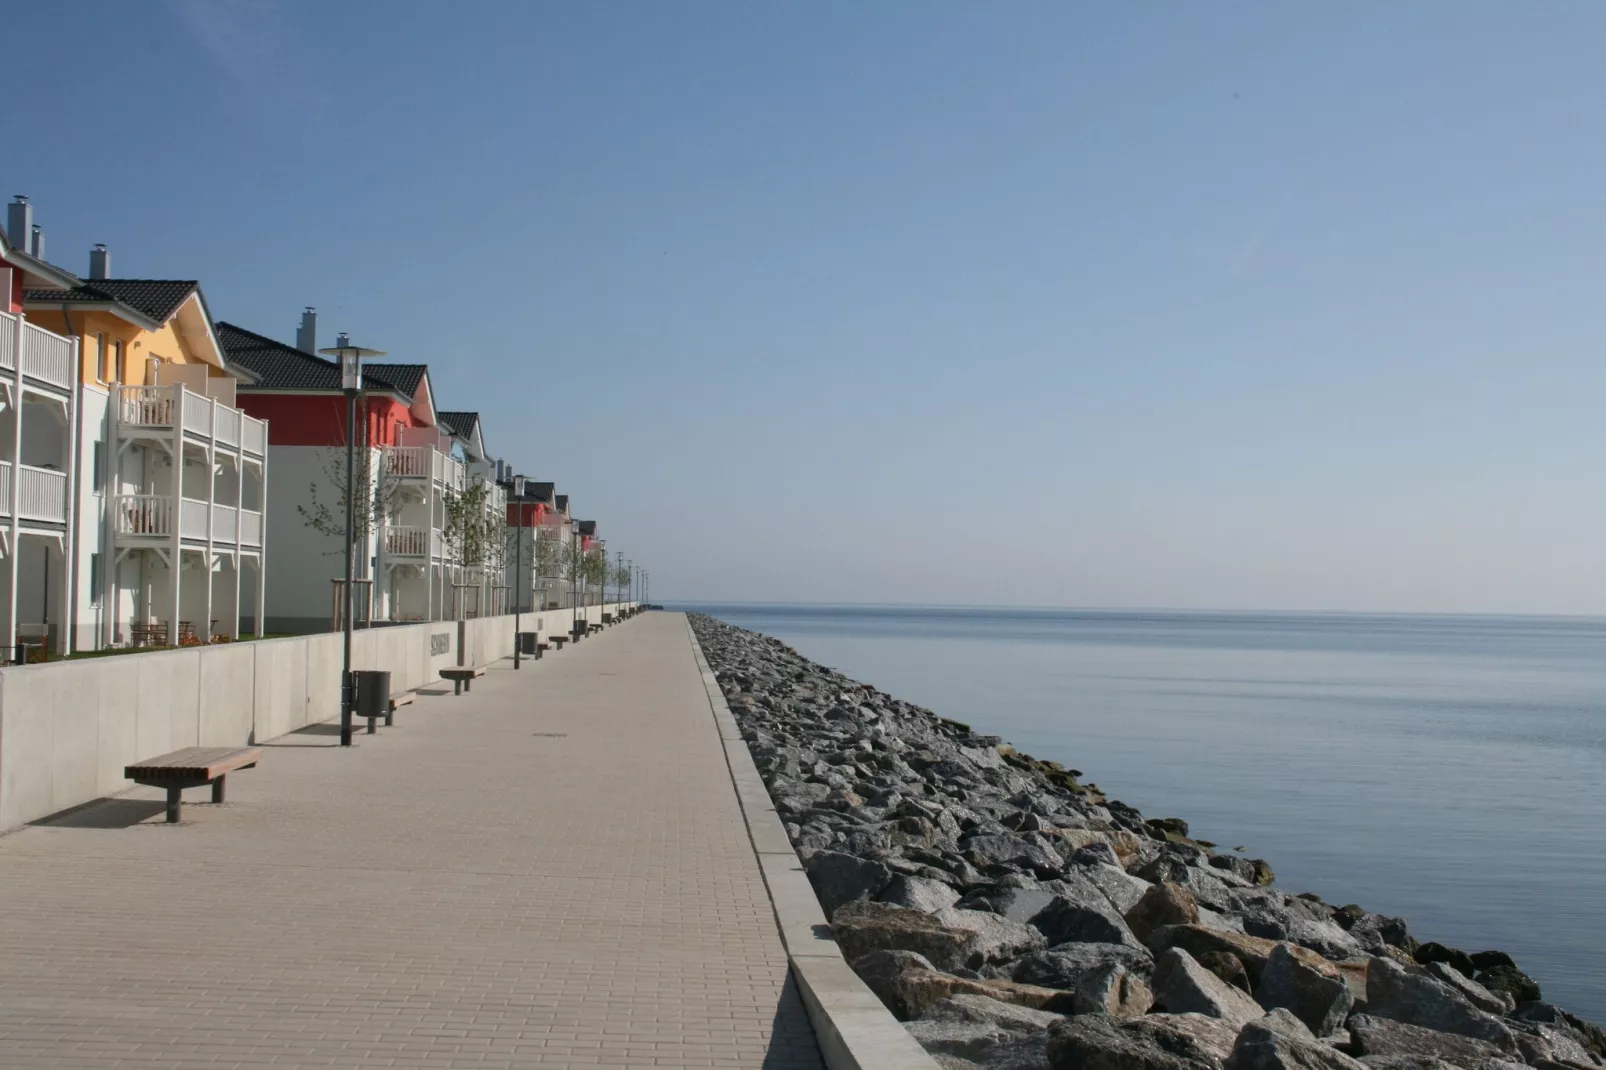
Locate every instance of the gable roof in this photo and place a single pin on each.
(41, 272)
(459, 423)
(154, 299)
(404, 377)
(588, 527)
(277, 366)
(560, 502)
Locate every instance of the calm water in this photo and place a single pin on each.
(1448, 769)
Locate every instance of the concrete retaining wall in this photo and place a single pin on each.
(68, 728)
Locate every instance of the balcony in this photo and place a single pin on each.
(148, 518)
(41, 493)
(145, 409)
(424, 462)
(47, 357)
(404, 541)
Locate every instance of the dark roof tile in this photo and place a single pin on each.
(283, 367)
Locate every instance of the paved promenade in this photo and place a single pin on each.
(550, 871)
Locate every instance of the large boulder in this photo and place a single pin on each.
(1182, 986)
(1166, 903)
(1066, 965)
(863, 927)
(970, 1007)
(1152, 1042)
(1264, 1046)
(1016, 904)
(1114, 990)
(1121, 888)
(1433, 951)
(915, 990)
(1477, 995)
(1083, 914)
(1317, 995)
(1196, 940)
(1374, 1036)
(882, 973)
(1126, 845)
(1512, 981)
(1006, 851)
(996, 938)
(1417, 999)
(956, 1044)
(919, 893)
(842, 878)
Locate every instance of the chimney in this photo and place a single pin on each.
(38, 248)
(19, 222)
(307, 333)
(100, 262)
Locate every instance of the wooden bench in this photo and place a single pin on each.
(462, 679)
(595, 628)
(191, 767)
(560, 640)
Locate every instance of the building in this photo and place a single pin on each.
(425, 550)
(165, 478)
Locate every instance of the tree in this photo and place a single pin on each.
(376, 498)
(546, 558)
(478, 536)
(621, 578)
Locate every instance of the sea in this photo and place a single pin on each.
(1450, 770)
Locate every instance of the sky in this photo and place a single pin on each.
(1246, 306)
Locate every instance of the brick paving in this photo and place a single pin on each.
(550, 871)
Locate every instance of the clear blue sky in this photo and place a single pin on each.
(1247, 305)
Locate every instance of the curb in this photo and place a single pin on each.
(853, 1027)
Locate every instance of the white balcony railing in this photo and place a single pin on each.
(407, 541)
(8, 342)
(47, 356)
(192, 519)
(142, 515)
(151, 516)
(424, 462)
(208, 418)
(41, 493)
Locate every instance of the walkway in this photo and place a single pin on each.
(550, 871)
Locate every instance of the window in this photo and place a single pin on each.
(99, 475)
(122, 363)
(94, 579)
(100, 356)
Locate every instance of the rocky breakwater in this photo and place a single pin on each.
(1015, 917)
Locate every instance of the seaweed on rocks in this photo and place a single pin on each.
(961, 876)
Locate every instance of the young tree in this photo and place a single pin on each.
(376, 498)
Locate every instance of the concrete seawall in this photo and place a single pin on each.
(68, 728)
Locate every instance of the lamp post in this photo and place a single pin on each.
(351, 358)
(574, 580)
(518, 567)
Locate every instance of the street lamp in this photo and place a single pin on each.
(518, 566)
(574, 580)
(351, 358)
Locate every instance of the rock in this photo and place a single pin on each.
(915, 990)
(1019, 904)
(1066, 965)
(1485, 960)
(882, 973)
(919, 893)
(1166, 903)
(841, 878)
(1371, 1035)
(1432, 951)
(1121, 888)
(1082, 914)
(1182, 986)
(1512, 981)
(1316, 995)
(1420, 1000)
(1008, 851)
(957, 1044)
(1152, 1042)
(1282, 1020)
(1228, 967)
(1114, 990)
(1374, 932)
(1271, 1046)
(969, 1007)
(1585, 1034)
(996, 938)
(1479, 996)
(1427, 1062)
(1093, 854)
(1126, 845)
(1168, 826)
(1252, 951)
(862, 927)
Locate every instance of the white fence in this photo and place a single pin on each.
(68, 728)
(157, 406)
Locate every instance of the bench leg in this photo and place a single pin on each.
(217, 789)
(370, 726)
(457, 687)
(175, 796)
(468, 685)
(390, 716)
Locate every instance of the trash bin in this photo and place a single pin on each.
(373, 695)
(529, 644)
